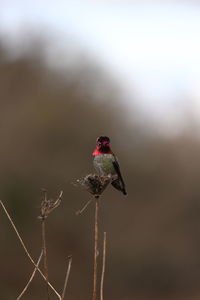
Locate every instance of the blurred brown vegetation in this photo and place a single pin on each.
(49, 122)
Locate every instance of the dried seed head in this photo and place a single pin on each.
(48, 205)
(95, 184)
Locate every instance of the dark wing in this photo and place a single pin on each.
(119, 182)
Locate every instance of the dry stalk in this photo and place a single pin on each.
(67, 276)
(26, 251)
(80, 211)
(96, 184)
(96, 236)
(103, 266)
(47, 206)
(31, 278)
(44, 247)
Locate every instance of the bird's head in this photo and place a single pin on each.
(103, 144)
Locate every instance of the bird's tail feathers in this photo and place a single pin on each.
(117, 183)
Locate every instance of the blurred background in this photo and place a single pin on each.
(74, 70)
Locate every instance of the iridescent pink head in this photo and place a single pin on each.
(102, 146)
(103, 141)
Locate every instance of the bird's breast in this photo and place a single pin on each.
(103, 164)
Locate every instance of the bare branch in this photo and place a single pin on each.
(79, 212)
(47, 206)
(96, 236)
(44, 247)
(31, 278)
(26, 251)
(103, 266)
(67, 276)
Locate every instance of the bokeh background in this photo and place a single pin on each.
(69, 72)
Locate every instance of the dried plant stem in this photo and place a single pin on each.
(67, 276)
(31, 278)
(26, 251)
(103, 266)
(44, 247)
(80, 211)
(96, 235)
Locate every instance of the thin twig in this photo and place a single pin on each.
(47, 206)
(26, 251)
(96, 234)
(67, 276)
(103, 266)
(44, 247)
(31, 278)
(80, 211)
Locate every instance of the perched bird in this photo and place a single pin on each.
(106, 163)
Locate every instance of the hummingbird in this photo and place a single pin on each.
(106, 163)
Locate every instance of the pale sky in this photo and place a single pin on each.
(151, 47)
